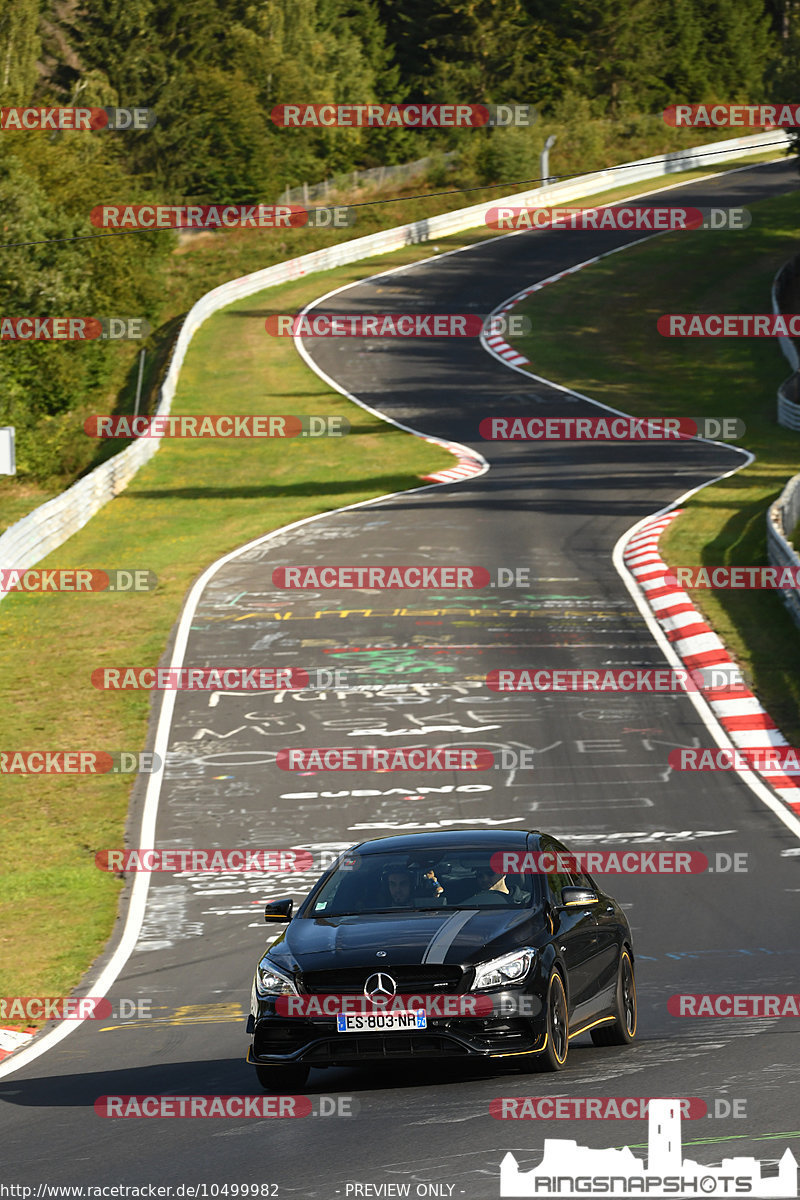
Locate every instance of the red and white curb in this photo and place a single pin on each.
(497, 343)
(13, 1039)
(467, 464)
(744, 719)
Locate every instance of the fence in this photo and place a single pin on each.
(47, 527)
(372, 177)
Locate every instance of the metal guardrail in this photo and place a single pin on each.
(782, 517)
(789, 390)
(47, 527)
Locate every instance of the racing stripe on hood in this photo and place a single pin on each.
(442, 940)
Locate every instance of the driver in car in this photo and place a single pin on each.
(493, 889)
(400, 887)
(399, 883)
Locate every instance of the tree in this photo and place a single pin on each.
(19, 49)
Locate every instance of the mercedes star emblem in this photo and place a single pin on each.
(380, 988)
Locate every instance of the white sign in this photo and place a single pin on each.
(7, 464)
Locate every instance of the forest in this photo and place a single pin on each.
(598, 72)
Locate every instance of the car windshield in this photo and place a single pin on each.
(398, 881)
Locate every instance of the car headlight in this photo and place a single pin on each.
(511, 968)
(272, 982)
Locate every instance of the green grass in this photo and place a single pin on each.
(606, 314)
(190, 504)
(200, 265)
(193, 502)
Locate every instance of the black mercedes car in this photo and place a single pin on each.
(482, 943)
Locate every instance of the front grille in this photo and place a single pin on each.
(349, 981)
(348, 1046)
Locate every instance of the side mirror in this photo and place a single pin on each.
(577, 897)
(278, 910)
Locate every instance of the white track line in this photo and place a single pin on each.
(136, 907)
(653, 526)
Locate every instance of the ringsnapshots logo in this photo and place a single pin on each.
(85, 120)
(397, 325)
(401, 116)
(617, 217)
(567, 1169)
(607, 429)
(215, 425)
(73, 329)
(220, 216)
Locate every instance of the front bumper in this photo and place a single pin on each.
(315, 1041)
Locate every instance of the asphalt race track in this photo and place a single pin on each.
(418, 661)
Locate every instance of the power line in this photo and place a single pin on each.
(93, 237)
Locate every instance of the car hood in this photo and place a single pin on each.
(450, 936)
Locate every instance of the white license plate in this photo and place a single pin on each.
(380, 1022)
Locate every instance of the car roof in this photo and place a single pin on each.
(450, 839)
